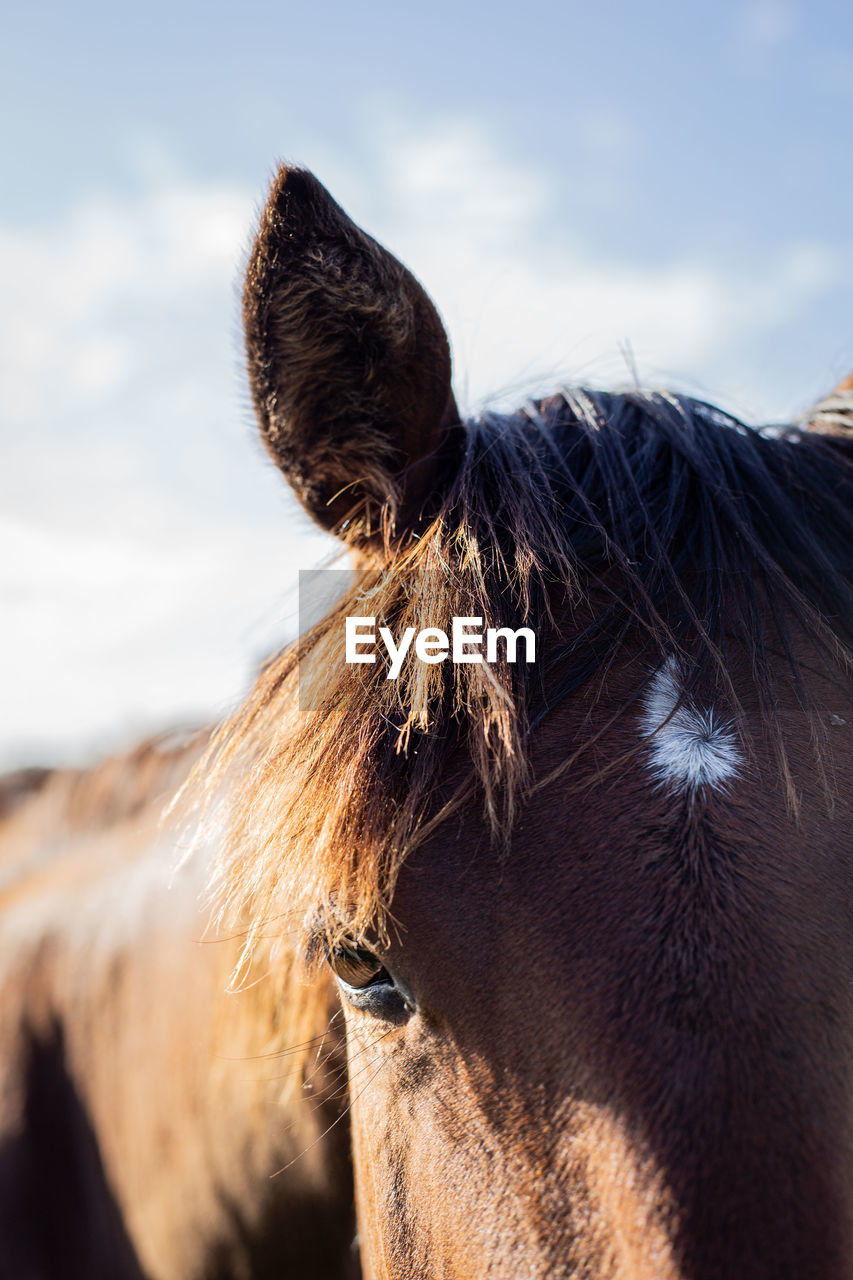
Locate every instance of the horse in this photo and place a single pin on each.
(543, 968)
(138, 1099)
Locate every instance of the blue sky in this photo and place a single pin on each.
(566, 179)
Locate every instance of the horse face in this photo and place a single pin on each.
(497, 1129)
(616, 1049)
(586, 1053)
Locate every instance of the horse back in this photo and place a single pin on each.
(141, 1108)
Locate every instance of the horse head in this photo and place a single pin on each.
(590, 919)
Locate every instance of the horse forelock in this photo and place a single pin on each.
(642, 524)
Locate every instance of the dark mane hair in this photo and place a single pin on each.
(642, 519)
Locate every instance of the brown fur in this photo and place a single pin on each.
(627, 1043)
(632, 1052)
(833, 416)
(629, 1055)
(348, 363)
(141, 1105)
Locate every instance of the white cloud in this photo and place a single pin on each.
(148, 552)
(85, 286)
(529, 304)
(149, 555)
(105, 637)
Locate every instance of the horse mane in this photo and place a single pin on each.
(614, 524)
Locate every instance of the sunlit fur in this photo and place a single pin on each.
(641, 522)
(629, 530)
(141, 1118)
(635, 1106)
(328, 315)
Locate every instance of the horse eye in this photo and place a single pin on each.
(366, 984)
(356, 967)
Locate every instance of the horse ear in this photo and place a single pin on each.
(349, 365)
(833, 416)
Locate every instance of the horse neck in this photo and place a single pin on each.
(121, 1044)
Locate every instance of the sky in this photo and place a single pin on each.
(584, 190)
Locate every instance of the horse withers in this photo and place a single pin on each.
(588, 917)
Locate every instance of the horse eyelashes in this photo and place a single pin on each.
(356, 966)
